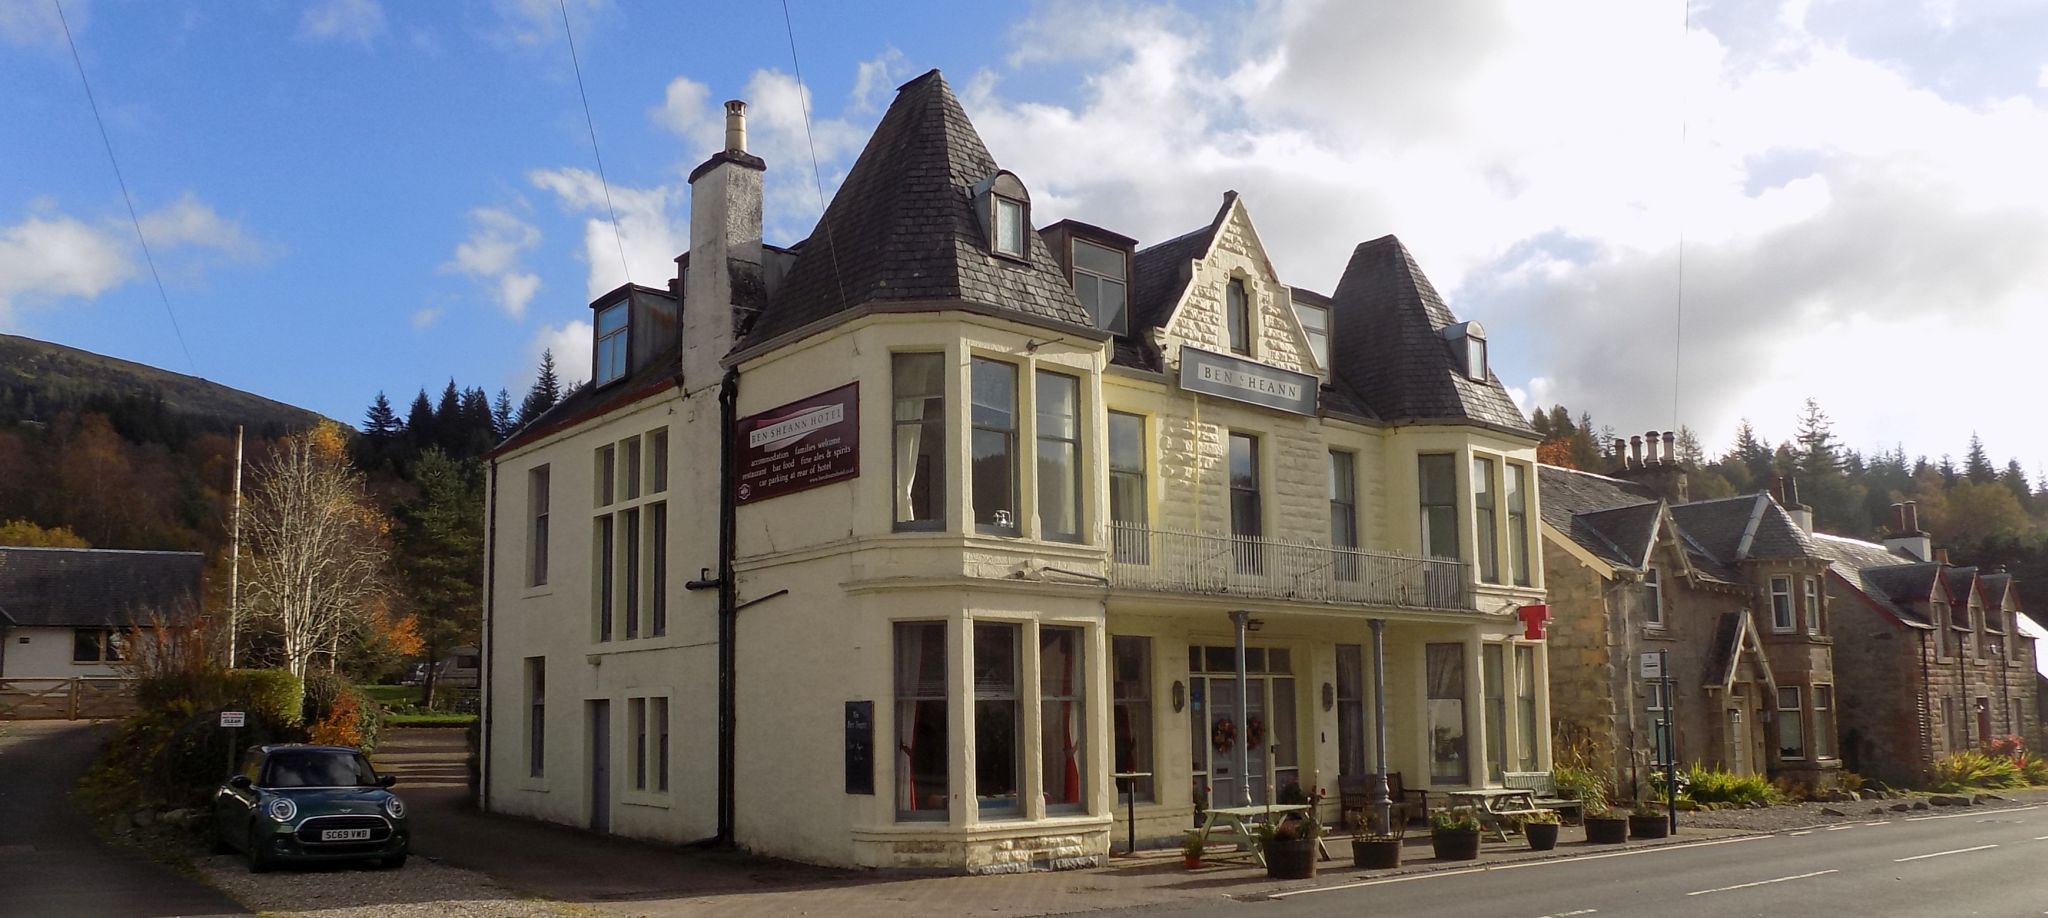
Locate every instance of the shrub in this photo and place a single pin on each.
(2034, 770)
(274, 694)
(1850, 781)
(337, 713)
(173, 751)
(2005, 747)
(1712, 786)
(1579, 783)
(1454, 819)
(1964, 770)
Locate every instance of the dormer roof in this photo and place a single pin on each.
(902, 230)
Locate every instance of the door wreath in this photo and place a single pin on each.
(1223, 735)
(1255, 732)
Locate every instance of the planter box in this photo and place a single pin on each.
(1455, 845)
(1291, 858)
(1376, 853)
(1542, 836)
(1606, 831)
(1657, 826)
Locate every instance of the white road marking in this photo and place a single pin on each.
(1797, 834)
(1961, 815)
(1877, 823)
(1803, 876)
(1916, 857)
(1571, 914)
(1842, 828)
(1517, 866)
(2041, 838)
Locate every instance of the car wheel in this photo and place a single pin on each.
(393, 862)
(221, 845)
(258, 861)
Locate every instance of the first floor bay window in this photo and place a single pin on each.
(918, 389)
(998, 728)
(1059, 457)
(1062, 727)
(922, 747)
(994, 446)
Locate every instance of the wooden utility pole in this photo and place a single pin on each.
(235, 555)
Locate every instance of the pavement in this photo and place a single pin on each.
(52, 865)
(620, 876)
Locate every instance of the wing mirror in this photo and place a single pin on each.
(241, 782)
(387, 780)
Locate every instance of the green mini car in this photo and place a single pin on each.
(298, 803)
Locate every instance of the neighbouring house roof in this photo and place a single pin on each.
(1387, 343)
(94, 587)
(1751, 527)
(1163, 271)
(902, 228)
(1617, 521)
(1960, 581)
(586, 401)
(1995, 587)
(1859, 564)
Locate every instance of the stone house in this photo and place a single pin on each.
(1727, 590)
(891, 547)
(1933, 656)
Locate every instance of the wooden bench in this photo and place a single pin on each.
(1572, 811)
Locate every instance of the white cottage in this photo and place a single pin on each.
(67, 612)
(891, 547)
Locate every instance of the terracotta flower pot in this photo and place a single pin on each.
(1191, 861)
(1455, 844)
(1376, 853)
(1606, 830)
(1542, 836)
(1291, 858)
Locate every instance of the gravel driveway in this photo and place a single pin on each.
(420, 888)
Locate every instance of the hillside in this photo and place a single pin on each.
(39, 379)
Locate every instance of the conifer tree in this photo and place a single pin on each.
(382, 423)
(546, 391)
(501, 415)
(1977, 463)
(420, 429)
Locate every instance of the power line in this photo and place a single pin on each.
(617, 236)
(817, 178)
(1678, 319)
(121, 180)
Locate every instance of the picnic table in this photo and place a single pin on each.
(1234, 824)
(1496, 805)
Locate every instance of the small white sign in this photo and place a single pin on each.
(233, 719)
(1653, 665)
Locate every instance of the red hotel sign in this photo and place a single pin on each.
(799, 446)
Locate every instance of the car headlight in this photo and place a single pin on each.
(394, 807)
(282, 809)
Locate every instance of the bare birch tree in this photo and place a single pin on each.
(317, 546)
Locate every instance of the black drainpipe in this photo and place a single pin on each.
(728, 606)
(1926, 707)
(483, 757)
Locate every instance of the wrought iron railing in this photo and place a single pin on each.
(1170, 561)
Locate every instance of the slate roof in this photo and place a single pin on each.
(1161, 271)
(88, 587)
(902, 228)
(1628, 529)
(1858, 563)
(1960, 580)
(1387, 344)
(1751, 527)
(1994, 588)
(1567, 492)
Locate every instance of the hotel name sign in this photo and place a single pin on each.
(1234, 378)
(799, 446)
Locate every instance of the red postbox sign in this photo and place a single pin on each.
(1534, 617)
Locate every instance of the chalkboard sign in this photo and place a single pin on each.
(860, 747)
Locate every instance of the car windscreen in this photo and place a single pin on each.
(321, 768)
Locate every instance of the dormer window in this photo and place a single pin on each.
(1468, 348)
(1099, 282)
(608, 364)
(1003, 208)
(1237, 316)
(1315, 323)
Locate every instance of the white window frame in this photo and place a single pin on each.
(1824, 715)
(539, 480)
(1018, 247)
(1781, 601)
(1653, 587)
(1317, 333)
(609, 360)
(1812, 598)
(1797, 714)
(1096, 282)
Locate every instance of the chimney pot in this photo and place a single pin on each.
(1635, 446)
(1651, 453)
(735, 126)
(1792, 490)
(1670, 447)
(1912, 516)
(1621, 452)
(1941, 555)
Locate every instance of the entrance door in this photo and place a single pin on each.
(1738, 742)
(1230, 730)
(600, 713)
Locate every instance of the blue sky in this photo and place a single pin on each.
(353, 195)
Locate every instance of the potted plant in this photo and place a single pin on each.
(1290, 847)
(1376, 850)
(1454, 833)
(1191, 849)
(1540, 829)
(1605, 826)
(1649, 821)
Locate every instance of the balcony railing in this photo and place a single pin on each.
(1169, 561)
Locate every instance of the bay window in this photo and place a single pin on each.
(1062, 726)
(1485, 529)
(1781, 604)
(994, 434)
(918, 389)
(1517, 497)
(1444, 671)
(1059, 457)
(923, 789)
(1812, 605)
(998, 726)
(1824, 721)
(1493, 674)
(1791, 725)
(1525, 700)
(1439, 494)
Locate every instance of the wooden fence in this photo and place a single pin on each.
(78, 698)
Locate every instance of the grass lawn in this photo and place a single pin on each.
(429, 719)
(392, 694)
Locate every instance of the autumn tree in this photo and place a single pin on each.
(25, 534)
(316, 546)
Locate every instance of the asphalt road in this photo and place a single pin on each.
(51, 863)
(1974, 862)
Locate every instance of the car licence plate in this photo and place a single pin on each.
(341, 835)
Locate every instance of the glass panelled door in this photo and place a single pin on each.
(1264, 730)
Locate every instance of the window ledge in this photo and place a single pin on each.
(536, 785)
(651, 799)
(535, 592)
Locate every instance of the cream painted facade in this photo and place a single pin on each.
(828, 583)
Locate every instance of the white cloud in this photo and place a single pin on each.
(687, 112)
(570, 342)
(31, 23)
(529, 23)
(1544, 169)
(50, 255)
(425, 318)
(874, 78)
(359, 21)
(650, 232)
(492, 256)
